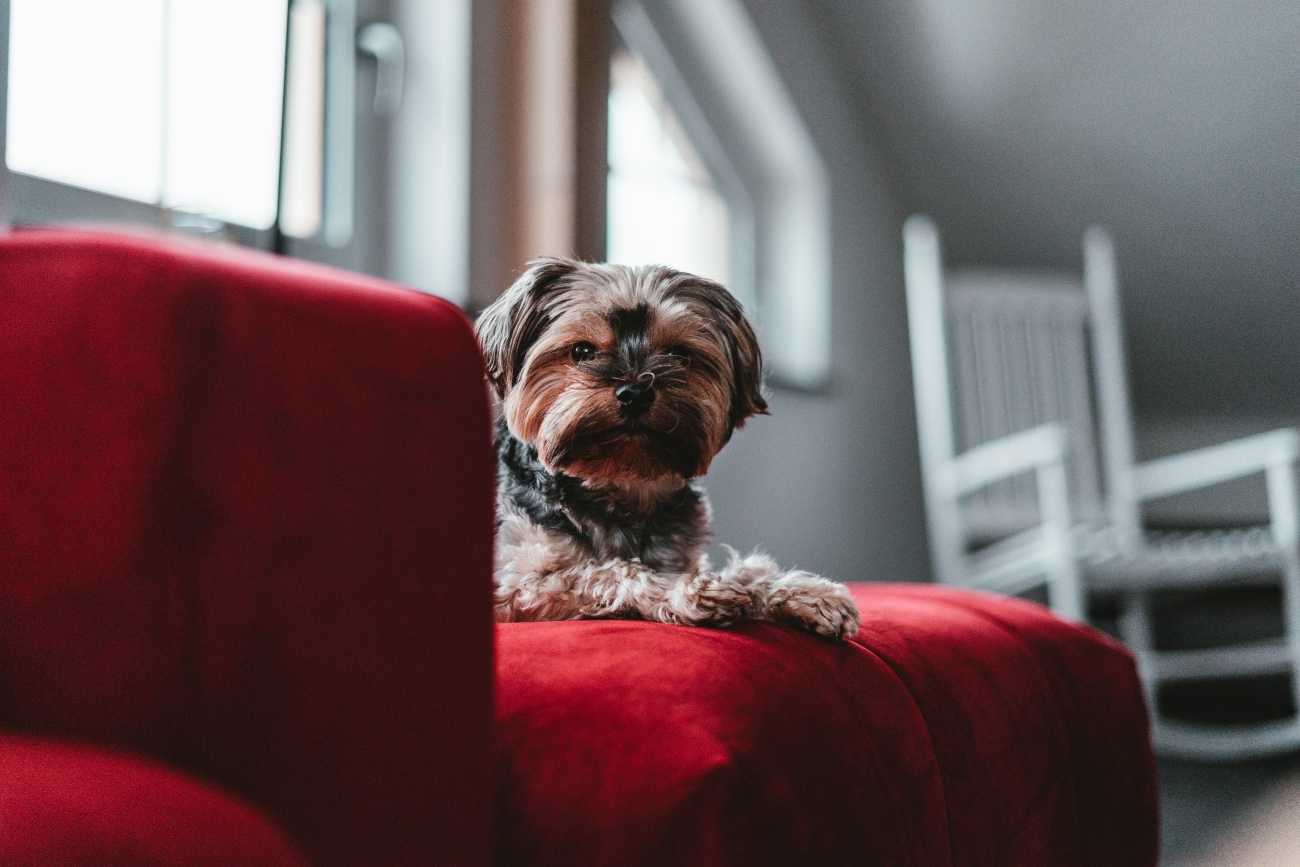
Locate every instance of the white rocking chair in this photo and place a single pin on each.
(1018, 345)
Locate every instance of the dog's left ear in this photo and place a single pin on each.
(747, 362)
(742, 346)
(511, 324)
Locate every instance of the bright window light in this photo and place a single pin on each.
(171, 102)
(662, 205)
(716, 72)
(86, 94)
(225, 89)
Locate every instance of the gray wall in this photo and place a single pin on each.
(830, 482)
(1017, 123)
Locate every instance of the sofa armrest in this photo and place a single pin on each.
(1008, 456)
(246, 518)
(1208, 466)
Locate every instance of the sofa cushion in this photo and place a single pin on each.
(957, 728)
(63, 805)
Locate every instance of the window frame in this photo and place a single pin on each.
(27, 200)
(728, 95)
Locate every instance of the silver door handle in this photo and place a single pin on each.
(382, 41)
(343, 41)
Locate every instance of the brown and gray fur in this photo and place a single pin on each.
(618, 386)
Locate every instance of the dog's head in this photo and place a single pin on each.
(621, 374)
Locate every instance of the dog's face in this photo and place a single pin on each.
(618, 374)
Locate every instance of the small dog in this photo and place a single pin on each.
(618, 386)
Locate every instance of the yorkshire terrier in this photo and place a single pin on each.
(618, 386)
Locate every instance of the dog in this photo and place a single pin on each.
(617, 387)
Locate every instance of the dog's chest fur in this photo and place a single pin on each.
(667, 535)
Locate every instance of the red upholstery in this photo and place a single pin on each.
(957, 729)
(67, 806)
(245, 529)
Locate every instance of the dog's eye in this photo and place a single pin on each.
(681, 353)
(582, 351)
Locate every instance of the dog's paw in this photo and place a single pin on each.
(703, 600)
(812, 603)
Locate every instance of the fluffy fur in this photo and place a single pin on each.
(618, 386)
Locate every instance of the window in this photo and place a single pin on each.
(663, 206)
(728, 131)
(429, 206)
(175, 103)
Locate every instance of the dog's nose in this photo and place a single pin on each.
(635, 397)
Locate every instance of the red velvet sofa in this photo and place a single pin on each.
(245, 538)
(245, 554)
(957, 728)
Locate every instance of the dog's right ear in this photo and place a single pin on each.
(509, 326)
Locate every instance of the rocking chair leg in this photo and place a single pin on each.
(1291, 611)
(1135, 630)
(1065, 591)
(1284, 511)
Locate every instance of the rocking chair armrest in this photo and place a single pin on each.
(1008, 456)
(1202, 468)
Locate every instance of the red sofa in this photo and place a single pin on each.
(245, 535)
(245, 545)
(957, 728)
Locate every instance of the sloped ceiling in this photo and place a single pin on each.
(1016, 123)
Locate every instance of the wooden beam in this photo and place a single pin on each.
(594, 48)
(538, 136)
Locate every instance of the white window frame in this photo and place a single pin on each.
(429, 211)
(34, 200)
(721, 82)
(5, 219)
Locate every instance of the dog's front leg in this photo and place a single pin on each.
(796, 598)
(574, 591)
(617, 589)
(702, 599)
(540, 580)
(545, 576)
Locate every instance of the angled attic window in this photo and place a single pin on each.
(663, 206)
